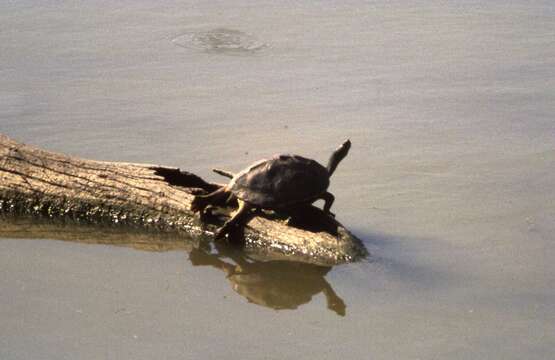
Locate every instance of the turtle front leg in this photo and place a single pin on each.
(238, 219)
(328, 201)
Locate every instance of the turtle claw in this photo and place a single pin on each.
(222, 232)
(206, 214)
(234, 233)
(236, 222)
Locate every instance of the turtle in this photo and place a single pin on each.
(281, 183)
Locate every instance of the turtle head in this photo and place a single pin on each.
(337, 156)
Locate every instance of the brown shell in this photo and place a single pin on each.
(281, 181)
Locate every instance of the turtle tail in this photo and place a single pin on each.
(225, 173)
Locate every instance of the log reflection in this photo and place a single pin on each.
(276, 284)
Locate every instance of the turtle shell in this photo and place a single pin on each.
(281, 181)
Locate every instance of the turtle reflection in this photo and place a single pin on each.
(274, 284)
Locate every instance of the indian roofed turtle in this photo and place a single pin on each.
(280, 183)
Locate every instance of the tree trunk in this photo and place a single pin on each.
(49, 185)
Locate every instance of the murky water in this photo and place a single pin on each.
(450, 107)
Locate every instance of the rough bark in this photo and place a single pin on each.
(44, 184)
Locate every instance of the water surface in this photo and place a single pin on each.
(450, 107)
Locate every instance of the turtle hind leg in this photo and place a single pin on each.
(238, 219)
(200, 202)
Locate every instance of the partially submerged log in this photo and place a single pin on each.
(30, 228)
(45, 184)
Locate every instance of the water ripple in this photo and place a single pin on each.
(220, 40)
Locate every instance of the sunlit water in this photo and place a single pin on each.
(450, 107)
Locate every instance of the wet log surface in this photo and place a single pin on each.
(47, 185)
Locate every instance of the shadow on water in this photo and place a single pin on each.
(275, 284)
(399, 258)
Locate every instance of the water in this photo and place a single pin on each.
(450, 107)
